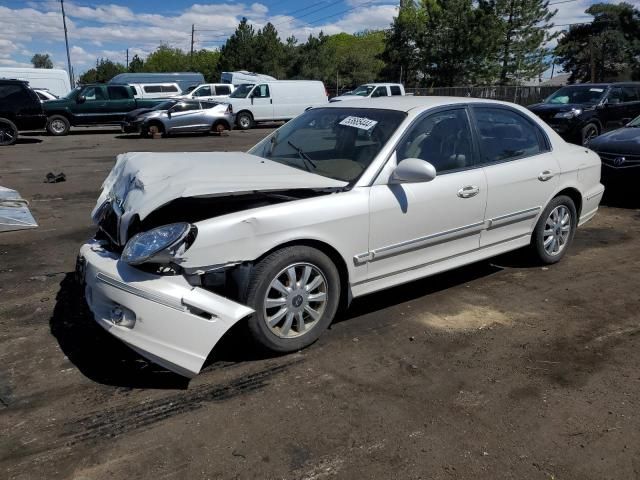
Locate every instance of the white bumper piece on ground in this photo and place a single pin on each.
(164, 318)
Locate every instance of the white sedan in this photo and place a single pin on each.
(340, 202)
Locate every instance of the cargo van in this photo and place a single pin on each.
(156, 90)
(276, 100)
(54, 80)
(184, 79)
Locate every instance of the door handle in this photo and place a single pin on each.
(468, 191)
(546, 175)
(271, 100)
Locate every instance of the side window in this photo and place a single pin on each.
(261, 91)
(442, 139)
(629, 94)
(13, 96)
(92, 93)
(203, 92)
(185, 107)
(223, 90)
(152, 89)
(379, 92)
(615, 96)
(506, 135)
(118, 93)
(169, 88)
(395, 90)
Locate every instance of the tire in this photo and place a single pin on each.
(244, 120)
(319, 294)
(58, 125)
(550, 239)
(153, 128)
(8, 132)
(589, 132)
(219, 127)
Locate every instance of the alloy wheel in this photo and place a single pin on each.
(295, 300)
(58, 126)
(557, 230)
(7, 135)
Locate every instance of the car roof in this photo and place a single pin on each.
(407, 103)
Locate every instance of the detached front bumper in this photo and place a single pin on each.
(164, 318)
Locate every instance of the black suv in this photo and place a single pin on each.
(20, 109)
(581, 112)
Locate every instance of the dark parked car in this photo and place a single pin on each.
(620, 153)
(581, 112)
(99, 104)
(20, 109)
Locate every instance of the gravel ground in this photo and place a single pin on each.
(501, 369)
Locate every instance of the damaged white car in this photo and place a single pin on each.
(340, 202)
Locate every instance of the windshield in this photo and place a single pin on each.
(634, 123)
(73, 93)
(363, 90)
(165, 105)
(339, 143)
(577, 94)
(242, 91)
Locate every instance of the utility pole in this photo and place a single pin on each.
(127, 59)
(193, 31)
(66, 42)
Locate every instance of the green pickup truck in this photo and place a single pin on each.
(99, 104)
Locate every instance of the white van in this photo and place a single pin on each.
(276, 100)
(54, 80)
(156, 90)
(210, 92)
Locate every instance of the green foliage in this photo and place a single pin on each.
(105, 70)
(42, 60)
(604, 49)
(524, 30)
(136, 64)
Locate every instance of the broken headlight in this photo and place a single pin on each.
(161, 242)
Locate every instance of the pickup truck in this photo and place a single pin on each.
(371, 90)
(98, 104)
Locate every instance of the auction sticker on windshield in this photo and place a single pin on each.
(359, 122)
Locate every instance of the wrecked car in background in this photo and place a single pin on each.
(340, 202)
(14, 212)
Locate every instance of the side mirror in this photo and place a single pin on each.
(81, 99)
(169, 113)
(413, 170)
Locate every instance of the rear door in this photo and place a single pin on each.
(522, 173)
(186, 116)
(121, 102)
(631, 98)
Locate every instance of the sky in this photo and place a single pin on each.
(108, 28)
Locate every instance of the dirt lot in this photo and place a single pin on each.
(497, 370)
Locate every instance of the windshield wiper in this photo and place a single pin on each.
(302, 155)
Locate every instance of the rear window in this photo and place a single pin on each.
(12, 94)
(169, 88)
(152, 89)
(395, 90)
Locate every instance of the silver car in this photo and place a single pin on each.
(188, 117)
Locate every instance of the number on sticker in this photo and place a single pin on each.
(359, 122)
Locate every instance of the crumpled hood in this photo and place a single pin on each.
(141, 182)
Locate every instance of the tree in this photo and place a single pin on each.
(524, 31)
(105, 70)
(269, 51)
(400, 52)
(167, 59)
(356, 57)
(239, 51)
(42, 60)
(136, 64)
(605, 49)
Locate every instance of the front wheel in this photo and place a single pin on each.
(8, 133)
(588, 133)
(244, 120)
(58, 125)
(555, 230)
(295, 294)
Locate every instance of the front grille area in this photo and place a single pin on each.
(619, 160)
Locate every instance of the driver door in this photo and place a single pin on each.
(94, 108)
(416, 224)
(261, 103)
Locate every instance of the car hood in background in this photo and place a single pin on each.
(342, 98)
(141, 182)
(622, 140)
(14, 212)
(558, 107)
(133, 114)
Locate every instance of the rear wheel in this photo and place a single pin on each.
(295, 293)
(58, 125)
(555, 230)
(8, 132)
(244, 120)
